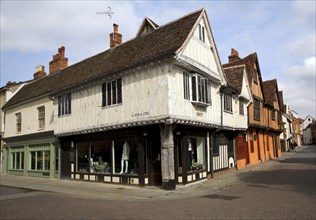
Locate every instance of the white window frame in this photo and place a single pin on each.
(41, 117)
(197, 89)
(18, 122)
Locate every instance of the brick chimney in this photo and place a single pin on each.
(39, 72)
(59, 61)
(234, 57)
(115, 37)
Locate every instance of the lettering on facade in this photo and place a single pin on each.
(139, 114)
(199, 114)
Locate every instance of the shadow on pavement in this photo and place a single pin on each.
(297, 172)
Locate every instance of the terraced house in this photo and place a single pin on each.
(264, 116)
(155, 110)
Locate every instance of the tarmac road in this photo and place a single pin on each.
(281, 189)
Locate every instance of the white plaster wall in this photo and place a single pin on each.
(143, 90)
(182, 108)
(200, 52)
(30, 123)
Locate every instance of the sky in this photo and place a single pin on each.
(281, 32)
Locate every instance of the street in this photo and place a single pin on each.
(286, 189)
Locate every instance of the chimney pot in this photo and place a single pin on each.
(234, 57)
(115, 28)
(39, 72)
(115, 37)
(59, 61)
(234, 52)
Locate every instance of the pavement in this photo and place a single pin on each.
(83, 189)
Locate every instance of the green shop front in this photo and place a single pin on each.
(34, 155)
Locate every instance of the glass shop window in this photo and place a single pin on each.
(125, 157)
(101, 156)
(196, 153)
(40, 160)
(83, 155)
(17, 161)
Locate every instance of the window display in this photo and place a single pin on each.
(125, 157)
(83, 156)
(101, 156)
(107, 156)
(196, 153)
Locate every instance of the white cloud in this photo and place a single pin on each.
(307, 69)
(298, 83)
(40, 26)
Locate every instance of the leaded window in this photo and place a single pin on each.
(112, 92)
(64, 104)
(196, 88)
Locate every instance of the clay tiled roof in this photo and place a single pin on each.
(249, 61)
(269, 89)
(280, 97)
(234, 77)
(163, 42)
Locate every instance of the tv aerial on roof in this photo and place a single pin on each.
(109, 12)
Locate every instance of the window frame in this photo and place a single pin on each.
(41, 117)
(64, 104)
(18, 122)
(15, 162)
(228, 102)
(112, 93)
(273, 114)
(201, 33)
(241, 107)
(45, 164)
(256, 109)
(197, 89)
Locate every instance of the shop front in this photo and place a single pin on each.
(126, 156)
(32, 155)
(133, 156)
(192, 157)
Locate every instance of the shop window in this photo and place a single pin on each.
(83, 157)
(40, 160)
(125, 157)
(101, 156)
(106, 157)
(17, 162)
(196, 153)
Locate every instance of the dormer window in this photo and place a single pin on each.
(201, 33)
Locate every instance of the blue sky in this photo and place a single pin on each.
(281, 32)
